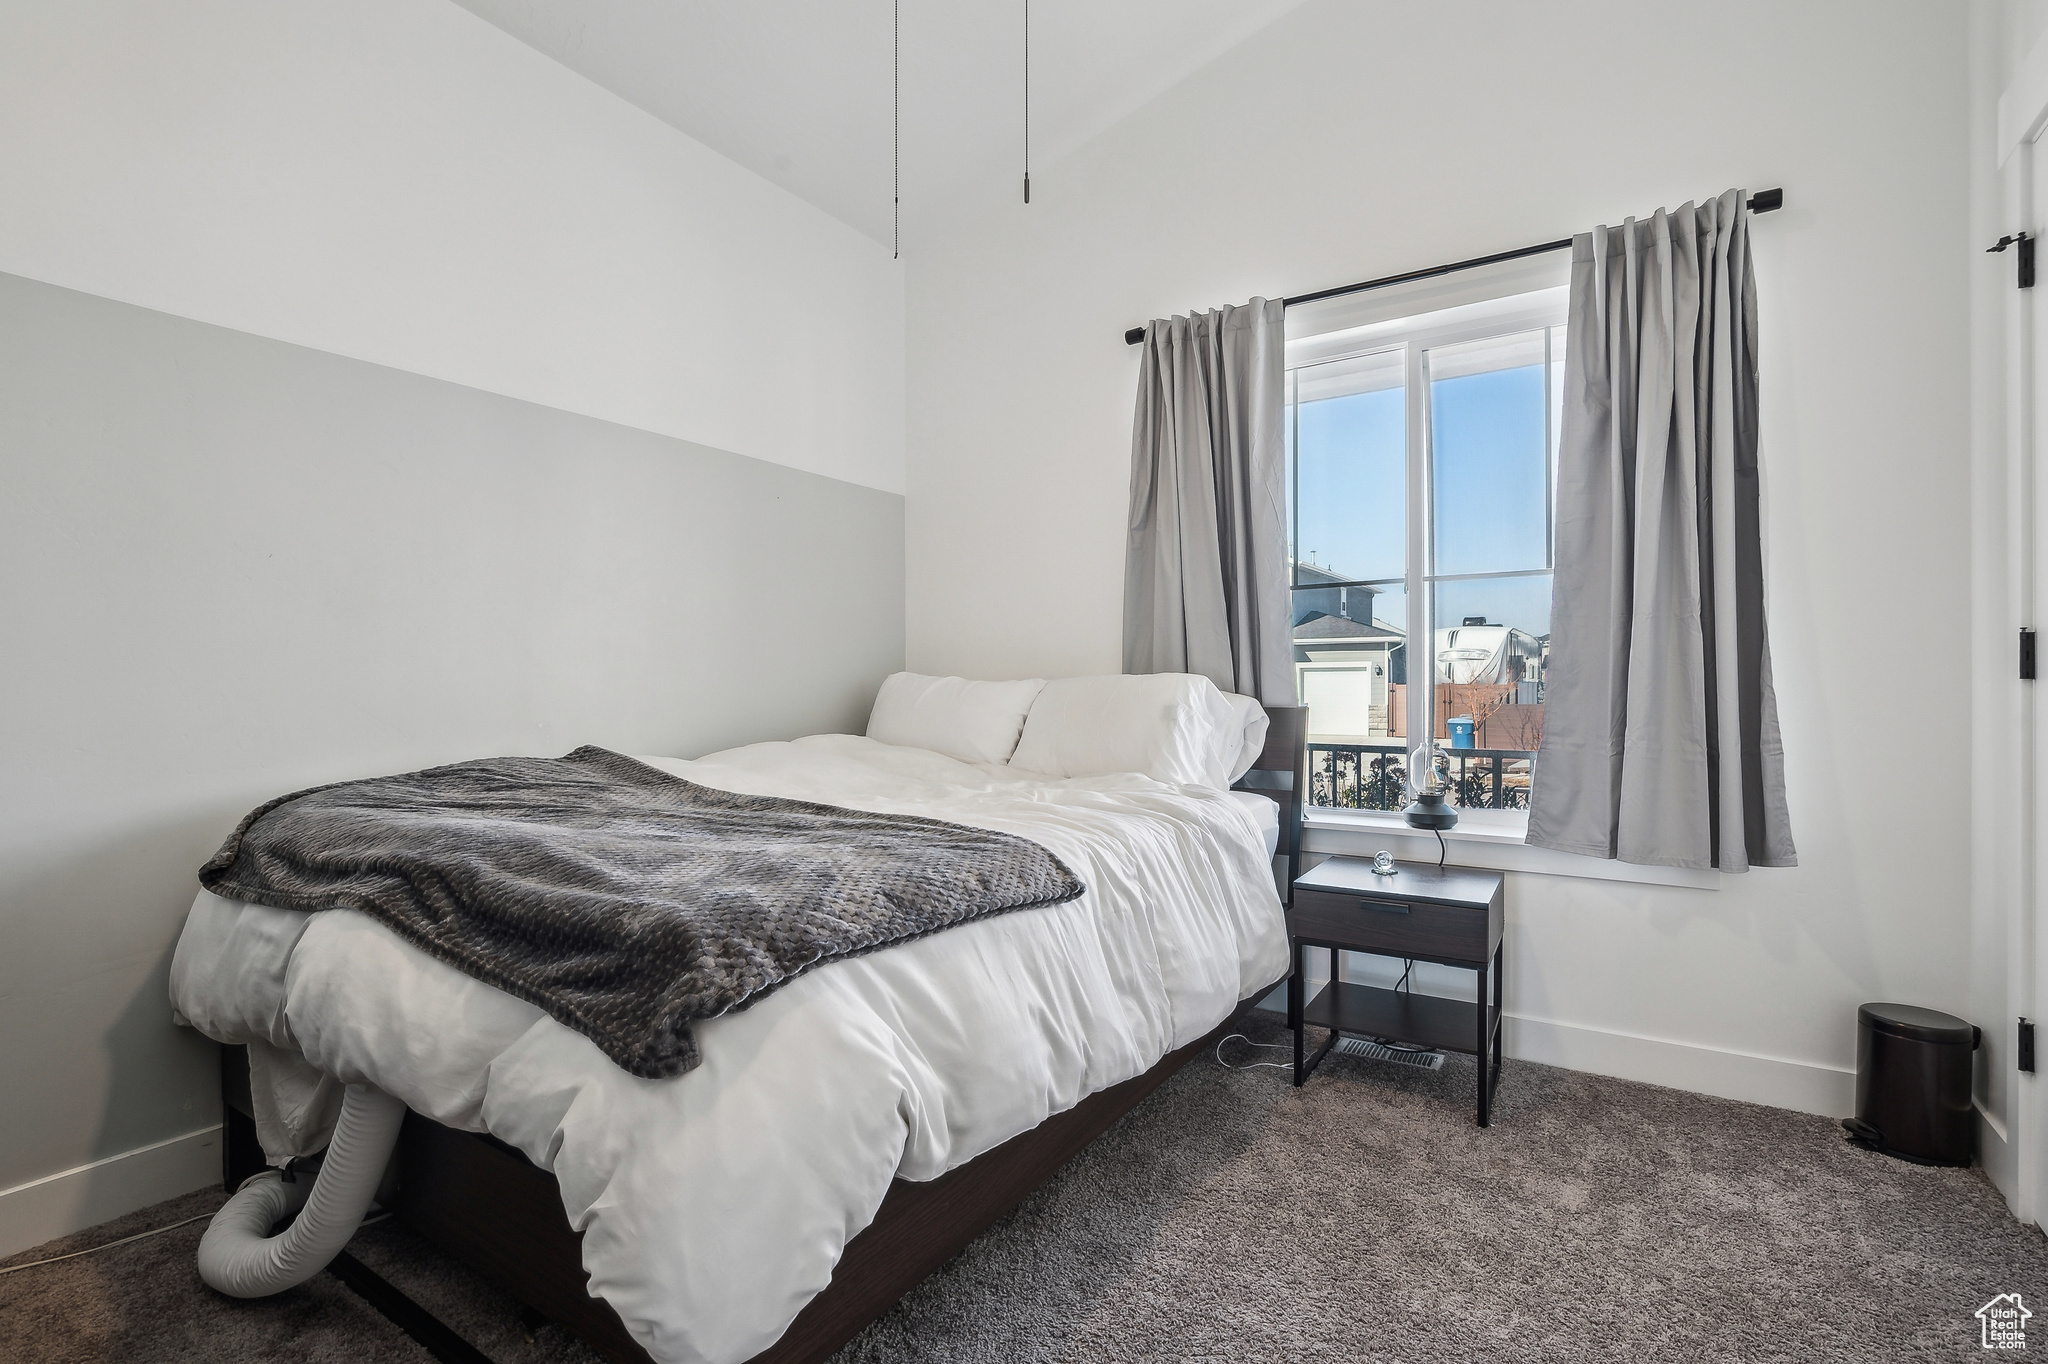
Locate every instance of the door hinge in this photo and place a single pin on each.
(2026, 257)
(2027, 656)
(2026, 1047)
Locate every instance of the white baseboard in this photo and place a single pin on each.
(72, 1200)
(1999, 1161)
(1798, 1085)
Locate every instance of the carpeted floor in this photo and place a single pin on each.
(1232, 1217)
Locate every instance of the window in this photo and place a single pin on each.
(1422, 456)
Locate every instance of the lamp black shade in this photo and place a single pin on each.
(1430, 811)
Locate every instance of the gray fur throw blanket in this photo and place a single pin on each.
(624, 901)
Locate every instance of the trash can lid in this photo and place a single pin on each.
(1916, 1024)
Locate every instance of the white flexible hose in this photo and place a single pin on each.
(238, 1255)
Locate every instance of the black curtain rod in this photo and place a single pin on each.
(1763, 201)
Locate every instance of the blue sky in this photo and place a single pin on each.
(1490, 456)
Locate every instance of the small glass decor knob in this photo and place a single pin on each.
(1383, 863)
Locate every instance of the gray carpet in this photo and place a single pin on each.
(1232, 1217)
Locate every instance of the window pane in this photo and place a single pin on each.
(1489, 447)
(1492, 645)
(1349, 428)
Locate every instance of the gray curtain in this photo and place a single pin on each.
(1660, 728)
(1205, 571)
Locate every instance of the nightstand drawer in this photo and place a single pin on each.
(1398, 928)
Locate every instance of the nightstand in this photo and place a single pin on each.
(1446, 915)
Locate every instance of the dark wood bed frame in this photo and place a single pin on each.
(485, 1204)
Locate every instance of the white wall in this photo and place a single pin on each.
(399, 181)
(1357, 139)
(571, 406)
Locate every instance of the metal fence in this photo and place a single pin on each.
(1375, 776)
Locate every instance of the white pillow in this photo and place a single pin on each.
(1172, 727)
(976, 722)
(1253, 723)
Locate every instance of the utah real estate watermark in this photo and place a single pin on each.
(2004, 1321)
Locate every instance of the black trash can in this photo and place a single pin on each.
(1913, 1084)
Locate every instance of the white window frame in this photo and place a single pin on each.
(1415, 337)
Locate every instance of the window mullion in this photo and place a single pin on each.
(1421, 656)
(1294, 487)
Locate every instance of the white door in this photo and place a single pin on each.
(2026, 523)
(2010, 743)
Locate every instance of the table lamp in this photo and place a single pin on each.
(1429, 809)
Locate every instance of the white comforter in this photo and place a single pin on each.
(714, 1205)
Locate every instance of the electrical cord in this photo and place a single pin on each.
(1404, 986)
(158, 1231)
(1252, 1065)
(1441, 850)
(1402, 1046)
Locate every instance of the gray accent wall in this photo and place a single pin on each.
(232, 567)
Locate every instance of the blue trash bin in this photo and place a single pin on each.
(1461, 731)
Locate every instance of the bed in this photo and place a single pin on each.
(843, 1136)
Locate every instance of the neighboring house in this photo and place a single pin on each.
(1348, 667)
(1321, 591)
(1348, 673)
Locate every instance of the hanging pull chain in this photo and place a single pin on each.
(896, 129)
(1027, 101)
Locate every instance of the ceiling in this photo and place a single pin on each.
(798, 91)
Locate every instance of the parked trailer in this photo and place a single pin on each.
(1482, 653)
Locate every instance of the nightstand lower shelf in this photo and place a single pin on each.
(1418, 1020)
(1398, 1017)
